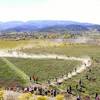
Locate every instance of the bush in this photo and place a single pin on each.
(42, 98)
(26, 96)
(60, 97)
(1, 94)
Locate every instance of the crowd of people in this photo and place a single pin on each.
(38, 90)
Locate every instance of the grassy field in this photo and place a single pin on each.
(50, 68)
(78, 50)
(44, 69)
(22, 76)
(48, 46)
(31, 43)
(71, 50)
(91, 85)
(10, 44)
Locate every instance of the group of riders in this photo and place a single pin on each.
(39, 90)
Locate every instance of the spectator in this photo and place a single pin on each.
(78, 98)
(97, 98)
(55, 92)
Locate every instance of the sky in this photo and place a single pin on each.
(74, 10)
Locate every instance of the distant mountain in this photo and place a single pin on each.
(22, 28)
(62, 28)
(46, 26)
(8, 25)
(94, 27)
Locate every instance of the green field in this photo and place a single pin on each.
(78, 50)
(91, 85)
(20, 44)
(44, 69)
(47, 46)
(10, 44)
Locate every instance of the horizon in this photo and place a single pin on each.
(47, 20)
(85, 11)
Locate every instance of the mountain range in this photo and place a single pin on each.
(46, 26)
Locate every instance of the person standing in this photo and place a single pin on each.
(78, 98)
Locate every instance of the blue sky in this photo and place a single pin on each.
(76, 10)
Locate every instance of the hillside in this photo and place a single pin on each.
(47, 26)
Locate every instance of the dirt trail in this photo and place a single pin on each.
(86, 62)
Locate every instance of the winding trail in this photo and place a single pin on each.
(86, 61)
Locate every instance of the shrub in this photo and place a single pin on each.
(42, 98)
(1, 94)
(26, 96)
(60, 97)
